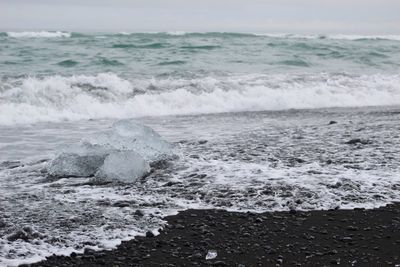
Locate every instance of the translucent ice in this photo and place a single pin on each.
(78, 161)
(211, 254)
(125, 166)
(123, 152)
(132, 136)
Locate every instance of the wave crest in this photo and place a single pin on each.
(107, 95)
(39, 34)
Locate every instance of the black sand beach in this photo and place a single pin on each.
(316, 238)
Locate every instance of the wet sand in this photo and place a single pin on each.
(316, 238)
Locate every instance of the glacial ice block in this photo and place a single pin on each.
(125, 166)
(129, 135)
(75, 165)
(124, 152)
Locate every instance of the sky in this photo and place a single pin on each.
(268, 16)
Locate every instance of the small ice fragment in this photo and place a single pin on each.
(211, 254)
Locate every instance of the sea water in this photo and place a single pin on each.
(257, 122)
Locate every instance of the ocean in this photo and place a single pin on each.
(257, 122)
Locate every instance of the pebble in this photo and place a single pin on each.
(149, 234)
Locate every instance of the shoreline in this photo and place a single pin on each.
(356, 237)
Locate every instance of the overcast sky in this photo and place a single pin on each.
(283, 16)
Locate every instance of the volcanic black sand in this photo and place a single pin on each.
(317, 238)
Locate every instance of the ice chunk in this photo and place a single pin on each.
(132, 136)
(211, 254)
(125, 166)
(124, 152)
(81, 160)
(73, 164)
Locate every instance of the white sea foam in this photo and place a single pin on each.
(39, 34)
(177, 33)
(258, 162)
(58, 98)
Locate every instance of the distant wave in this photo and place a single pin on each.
(109, 62)
(39, 34)
(276, 35)
(107, 95)
(54, 34)
(331, 36)
(178, 33)
(173, 62)
(204, 47)
(68, 63)
(294, 62)
(144, 46)
(124, 46)
(182, 33)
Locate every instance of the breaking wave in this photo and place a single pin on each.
(39, 34)
(353, 37)
(356, 37)
(277, 35)
(106, 95)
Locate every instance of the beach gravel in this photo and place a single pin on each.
(295, 238)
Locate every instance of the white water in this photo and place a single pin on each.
(58, 98)
(39, 34)
(250, 162)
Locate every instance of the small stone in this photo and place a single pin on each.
(197, 255)
(347, 238)
(352, 228)
(358, 141)
(179, 226)
(19, 235)
(333, 252)
(219, 263)
(335, 261)
(149, 234)
(121, 204)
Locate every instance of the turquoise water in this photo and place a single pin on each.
(194, 54)
(58, 76)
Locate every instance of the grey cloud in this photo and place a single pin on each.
(341, 16)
